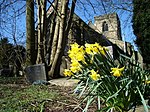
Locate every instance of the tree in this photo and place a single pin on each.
(41, 30)
(141, 26)
(11, 55)
(30, 33)
(60, 26)
(6, 50)
(60, 34)
(11, 27)
(63, 24)
(12, 21)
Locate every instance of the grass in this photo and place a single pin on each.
(18, 96)
(11, 80)
(30, 98)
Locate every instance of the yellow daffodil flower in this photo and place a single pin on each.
(88, 48)
(75, 63)
(147, 81)
(75, 66)
(76, 52)
(95, 48)
(67, 72)
(79, 57)
(94, 75)
(75, 69)
(103, 50)
(74, 47)
(117, 71)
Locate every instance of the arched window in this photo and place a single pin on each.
(104, 26)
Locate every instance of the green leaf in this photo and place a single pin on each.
(116, 94)
(99, 102)
(78, 87)
(84, 88)
(143, 101)
(90, 99)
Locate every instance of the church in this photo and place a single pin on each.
(105, 30)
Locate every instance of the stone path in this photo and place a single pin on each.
(64, 82)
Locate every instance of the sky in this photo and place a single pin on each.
(86, 9)
(12, 21)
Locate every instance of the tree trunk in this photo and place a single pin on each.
(52, 31)
(70, 17)
(61, 37)
(55, 40)
(41, 31)
(30, 33)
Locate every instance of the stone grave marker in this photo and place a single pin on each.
(35, 73)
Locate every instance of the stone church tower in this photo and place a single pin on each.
(109, 26)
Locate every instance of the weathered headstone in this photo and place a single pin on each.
(35, 73)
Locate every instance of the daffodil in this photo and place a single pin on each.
(67, 72)
(147, 81)
(94, 75)
(117, 71)
(92, 48)
(95, 48)
(75, 47)
(75, 69)
(76, 52)
(75, 66)
(103, 50)
(75, 63)
(88, 48)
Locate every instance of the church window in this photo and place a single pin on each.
(104, 26)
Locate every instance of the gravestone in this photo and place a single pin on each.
(35, 73)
